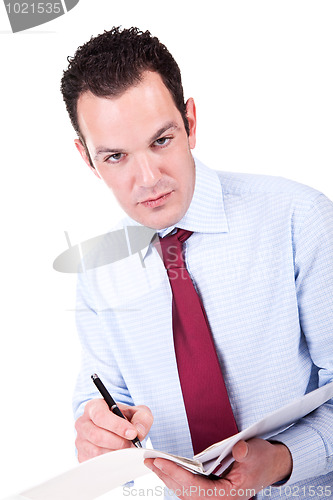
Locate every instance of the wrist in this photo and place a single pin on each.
(284, 462)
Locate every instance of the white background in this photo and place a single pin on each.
(262, 76)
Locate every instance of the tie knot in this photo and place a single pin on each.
(172, 248)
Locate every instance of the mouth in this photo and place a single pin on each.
(158, 201)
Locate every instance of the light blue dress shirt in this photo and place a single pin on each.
(261, 259)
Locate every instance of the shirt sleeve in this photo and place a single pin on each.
(96, 353)
(310, 440)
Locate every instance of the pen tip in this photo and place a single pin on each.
(94, 376)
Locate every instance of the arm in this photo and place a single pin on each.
(98, 429)
(310, 440)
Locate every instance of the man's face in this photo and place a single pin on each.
(139, 147)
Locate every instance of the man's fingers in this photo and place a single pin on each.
(240, 451)
(101, 437)
(184, 483)
(142, 419)
(169, 480)
(179, 475)
(138, 419)
(99, 430)
(101, 416)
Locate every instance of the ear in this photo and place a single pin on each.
(192, 121)
(83, 152)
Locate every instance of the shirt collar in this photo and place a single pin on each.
(206, 213)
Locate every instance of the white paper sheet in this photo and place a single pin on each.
(92, 478)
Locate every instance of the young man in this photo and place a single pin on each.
(260, 258)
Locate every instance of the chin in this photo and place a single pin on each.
(162, 224)
(154, 222)
(160, 219)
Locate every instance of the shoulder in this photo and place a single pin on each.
(265, 185)
(277, 200)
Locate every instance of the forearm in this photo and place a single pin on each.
(310, 443)
(96, 353)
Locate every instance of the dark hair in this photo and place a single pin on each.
(112, 62)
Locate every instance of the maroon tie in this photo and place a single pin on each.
(206, 400)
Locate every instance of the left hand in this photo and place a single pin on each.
(258, 464)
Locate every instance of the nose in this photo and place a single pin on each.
(147, 171)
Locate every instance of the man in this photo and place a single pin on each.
(260, 258)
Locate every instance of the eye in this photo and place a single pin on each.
(162, 141)
(114, 158)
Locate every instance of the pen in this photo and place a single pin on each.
(111, 403)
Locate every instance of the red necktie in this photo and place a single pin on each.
(206, 400)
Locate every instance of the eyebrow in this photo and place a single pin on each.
(167, 126)
(153, 138)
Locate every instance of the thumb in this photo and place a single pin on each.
(142, 419)
(240, 451)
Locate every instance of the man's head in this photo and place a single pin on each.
(111, 63)
(124, 95)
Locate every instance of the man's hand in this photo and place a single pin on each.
(257, 465)
(100, 431)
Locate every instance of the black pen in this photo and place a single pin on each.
(111, 403)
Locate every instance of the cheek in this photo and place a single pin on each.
(114, 180)
(121, 190)
(187, 178)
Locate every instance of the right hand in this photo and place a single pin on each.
(100, 431)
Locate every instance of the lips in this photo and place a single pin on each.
(158, 201)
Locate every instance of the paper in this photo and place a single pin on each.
(92, 478)
(99, 475)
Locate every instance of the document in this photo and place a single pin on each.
(99, 475)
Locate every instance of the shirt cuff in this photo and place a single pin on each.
(307, 450)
